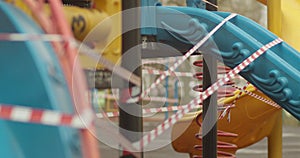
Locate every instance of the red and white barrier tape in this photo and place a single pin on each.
(267, 101)
(161, 99)
(176, 74)
(45, 117)
(227, 110)
(168, 73)
(157, 99)
(244, 90)
(146, 111)
(48, 117)
(160, 60)
(31, 37)
(156, 110)
(204, 95)
(183, 58)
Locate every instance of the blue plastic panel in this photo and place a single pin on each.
(31, 76)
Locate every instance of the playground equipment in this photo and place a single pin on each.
(84, 22)
(275, 73)
(289, 33)
(282, 17)
(250, 121)
(37, 76)
(244, 37)
(46, 89)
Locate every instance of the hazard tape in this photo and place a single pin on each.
(157, 99)
(227, 110)
(160, 61)
(210, 3)
(45, 117)
(204, 95)
(176, 74)
(146, 111)
(258, 97)
(159, 72)
(244, 90)
(59, 118)
(161, 99)
(182, 59)
(32, 37)
(189, 53)
(156, 110)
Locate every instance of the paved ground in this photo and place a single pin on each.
(291, 147)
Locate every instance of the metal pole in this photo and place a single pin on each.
(274, 25)
(274, 16)
(130, 113)
(209, 127)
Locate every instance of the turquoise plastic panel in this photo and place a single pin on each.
(9, 146)
(148, 20)
(31, 76)
(276, 73)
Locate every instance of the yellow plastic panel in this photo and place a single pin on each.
(291, 22)
(94, 27)
(251, 119)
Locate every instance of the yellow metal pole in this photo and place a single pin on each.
(275, 139)
(274, 25)
(274, 16)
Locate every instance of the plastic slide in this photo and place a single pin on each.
(27, 68)
(250, 121)
(276, 73)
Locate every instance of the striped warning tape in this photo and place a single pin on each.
(48, 117)
(210, 3)
(168, 73)
(160, 60)
(148, 138)
(175, 73)
(182, 59)
(227, 110)
(161, 99)
(146, 111)
(244, 90)
(32, 37)
(45, 117)
(204, 95)
(157, 99)
(258, 97)
(189, 53)
(156, 110)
